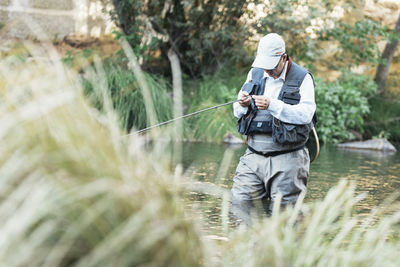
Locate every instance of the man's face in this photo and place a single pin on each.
(275, 72)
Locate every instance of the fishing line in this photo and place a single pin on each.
(215, 107)
(182, 117)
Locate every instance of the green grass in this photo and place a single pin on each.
(209, 91)
(126, 96)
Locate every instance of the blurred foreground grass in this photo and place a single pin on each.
(324, 233)
(73, 192)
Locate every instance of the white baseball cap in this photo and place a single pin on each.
(270, 49)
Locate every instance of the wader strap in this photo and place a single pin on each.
(273, 153)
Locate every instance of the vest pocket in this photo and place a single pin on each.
(291, 98)
(290, 134)
(260, 127)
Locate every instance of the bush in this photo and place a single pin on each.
(210, 91)
(383, 119)
(342, 105)
(126, 95)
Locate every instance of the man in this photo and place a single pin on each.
(282, 94)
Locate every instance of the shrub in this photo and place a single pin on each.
(126, 96)
(342, 105)
(210, 91)
(384, 117)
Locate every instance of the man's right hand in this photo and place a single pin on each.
(244, 99)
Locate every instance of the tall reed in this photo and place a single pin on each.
(325, 233)
(72, 191)
(212, 90)
(126, 96)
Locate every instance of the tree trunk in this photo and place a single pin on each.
(382, 71)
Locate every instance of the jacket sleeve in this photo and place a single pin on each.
(238, 110)
(301, 113)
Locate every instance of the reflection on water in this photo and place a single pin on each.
(375, 173)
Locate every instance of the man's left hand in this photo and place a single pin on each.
(262, 102)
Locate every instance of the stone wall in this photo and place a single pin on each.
(54, 19)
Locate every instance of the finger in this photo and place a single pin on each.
(246, 98)
(243, 95)
(259, 101)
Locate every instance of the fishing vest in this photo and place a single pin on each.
(257, 124)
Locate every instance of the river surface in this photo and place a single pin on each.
(375, 173)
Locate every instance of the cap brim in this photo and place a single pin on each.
(266, 62)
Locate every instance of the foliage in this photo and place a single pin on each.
(205, 34)
(313, 29)
(73, 192)
(342, 105)
(73, 59)
(358, 42)
(126, 95)
(280, 19)
(301, 23)
(144, 50)
(201, 31)
(325, 233)
(384, 117)
(210, 91)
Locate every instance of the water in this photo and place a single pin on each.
(375, 173)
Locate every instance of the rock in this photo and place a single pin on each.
(380, 144)
(229, 138)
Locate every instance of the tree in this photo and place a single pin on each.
(326, 31)
(204, 34)
(382, 71)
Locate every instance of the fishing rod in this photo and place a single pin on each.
(184, 116)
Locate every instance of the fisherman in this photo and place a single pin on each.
(275, 110)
